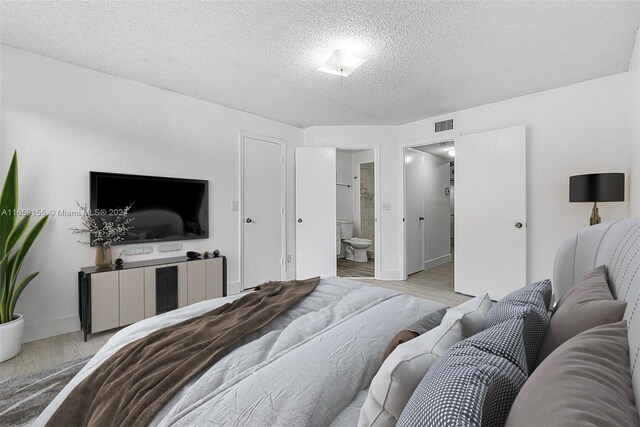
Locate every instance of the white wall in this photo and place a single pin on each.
(634, 126)
(344, 195)
(576, 129)
(66, 121)
(581, 128)
(437, 211)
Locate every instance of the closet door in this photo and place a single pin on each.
(262, 211)
(491, 212)
(315, 212)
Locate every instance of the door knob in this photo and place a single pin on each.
(421, 218)
(248, 220)
(299, 219)
(518, 225)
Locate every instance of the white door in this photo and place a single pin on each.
(262, 212)
(315, 212)
(414, 225)
(490, 212)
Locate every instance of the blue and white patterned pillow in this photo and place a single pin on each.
(474, 384)
(532, 302)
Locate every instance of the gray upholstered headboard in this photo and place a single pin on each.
(617, 245)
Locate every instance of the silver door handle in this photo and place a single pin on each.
(421, 218)
(248, 220)
(518, 225)
(299, 219)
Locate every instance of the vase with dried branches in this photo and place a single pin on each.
(104, 230)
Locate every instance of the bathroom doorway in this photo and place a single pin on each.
(355, 213)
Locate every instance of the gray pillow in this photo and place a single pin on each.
(418, 328)
(587, 304)
(586, 381)
(532, 303)
(475, 382)
(428, 322)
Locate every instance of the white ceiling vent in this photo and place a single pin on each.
(444, 125)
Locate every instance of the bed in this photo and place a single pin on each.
(313, 364)
(327, 348)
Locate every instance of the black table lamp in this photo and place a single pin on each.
(596, 187)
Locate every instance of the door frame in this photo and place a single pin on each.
(445, 137)
(376, 205)
(283, 201)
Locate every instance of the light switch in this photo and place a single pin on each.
(234, 206)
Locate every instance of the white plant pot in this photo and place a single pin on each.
(11, 337)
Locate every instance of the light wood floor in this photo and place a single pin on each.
(348, 268)
(42, 354)
(435, 284)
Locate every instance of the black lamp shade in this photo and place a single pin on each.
(597, 187)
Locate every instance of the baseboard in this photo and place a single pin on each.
(234, 288)
(437, 261)
(50, 328)
(390, 275)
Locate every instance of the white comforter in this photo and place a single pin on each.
(302, 369)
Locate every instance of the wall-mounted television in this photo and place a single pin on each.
(163, 209)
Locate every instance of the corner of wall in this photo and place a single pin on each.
(634, 128)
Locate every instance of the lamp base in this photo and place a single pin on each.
(595, 217)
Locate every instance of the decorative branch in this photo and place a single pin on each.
(102, 232)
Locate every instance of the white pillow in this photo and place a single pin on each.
(405, 367)
(476, 308)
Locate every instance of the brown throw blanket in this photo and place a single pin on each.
(133, 385)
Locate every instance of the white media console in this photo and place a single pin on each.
(117, 296)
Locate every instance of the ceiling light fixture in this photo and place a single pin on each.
(341, 63)
(452, 152)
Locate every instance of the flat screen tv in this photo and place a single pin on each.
(163, 209)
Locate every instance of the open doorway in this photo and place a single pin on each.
(355, 213)
(429, 173)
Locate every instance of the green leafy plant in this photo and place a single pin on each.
(14, 248)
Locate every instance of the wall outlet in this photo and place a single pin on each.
(138, 250)
(386, 206)
(170, 247)
(288, 258)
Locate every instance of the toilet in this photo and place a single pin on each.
(355, 247)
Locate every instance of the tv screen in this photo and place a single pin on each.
(162, 209)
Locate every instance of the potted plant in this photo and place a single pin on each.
(13, 250)
(104, 230)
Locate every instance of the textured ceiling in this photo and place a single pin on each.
(425, 58)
